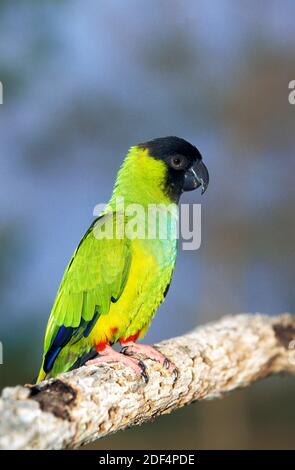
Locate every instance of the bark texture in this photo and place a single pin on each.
(91, 402)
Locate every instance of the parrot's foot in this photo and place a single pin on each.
(150, 352)
(109, 355)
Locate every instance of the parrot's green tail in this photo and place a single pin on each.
(41, 376)
(67, 360)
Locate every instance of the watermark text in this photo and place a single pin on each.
(164, 222)
(292, 93)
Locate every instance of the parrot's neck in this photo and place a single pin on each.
(141, 180)
(140, 194)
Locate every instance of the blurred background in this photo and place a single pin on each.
(84, 82)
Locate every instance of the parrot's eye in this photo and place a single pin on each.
(178, 162)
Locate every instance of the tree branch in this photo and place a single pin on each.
(91, 402)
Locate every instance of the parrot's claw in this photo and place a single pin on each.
(124, 351)
(109, 355)
(175, 375)
(150, 352)
(144, 373)
(166, 363)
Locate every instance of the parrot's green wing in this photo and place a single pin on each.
(95, 277)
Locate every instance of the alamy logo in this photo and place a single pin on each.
(292, 351)
(1, 93)
(151, 222)
(292, 93)
(1, 353)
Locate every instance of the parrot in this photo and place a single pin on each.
(114, 283)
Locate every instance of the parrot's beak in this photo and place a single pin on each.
(196, 176)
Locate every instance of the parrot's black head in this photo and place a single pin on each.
(185, 168)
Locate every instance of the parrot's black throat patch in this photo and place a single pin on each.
(162, 149)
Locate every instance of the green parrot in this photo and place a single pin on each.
(119, 274)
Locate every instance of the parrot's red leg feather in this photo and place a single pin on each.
(101, 346)
(130, 339)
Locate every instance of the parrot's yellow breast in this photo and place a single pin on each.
(149, 276)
